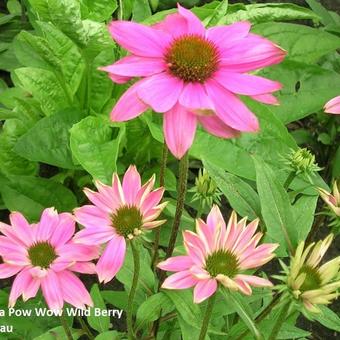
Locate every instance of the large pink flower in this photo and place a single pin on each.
(192, 75)
(44, 255)
(119, 213)
(217, 254)
(333, 106)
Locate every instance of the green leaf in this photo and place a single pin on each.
(94, 148)
(59, 333)
(300, 84)
(99, 323)
(141, 10)
(70, 60)
(219, 12)
(30, 195)
(241, 196)
(98, 10)
(10, 162)
(14, 7)
(109, 335)
(151, 308)
(326, 17)
(303, 211)
(45, 87)
(275, 205)
(118, 299)
(100, 85)
(242, 309)
(328, 318)
(303, 43)
(49, 140)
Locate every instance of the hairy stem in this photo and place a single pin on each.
(289, 180)
(279, 322)
(85, 328)
(207, 316)
(136, 268)
(65, 326)
(161, 183)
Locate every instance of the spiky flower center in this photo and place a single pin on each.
(126, 220)
(312, 280)
(42, 254)
(192, 58)
(222, 262)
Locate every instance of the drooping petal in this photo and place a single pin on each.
(254, 280)
(246, 84)
(243, 286)
(176, 263)
(119, 79)
(266, 99)
(160, 91)
(92, 217)
(333, 106)
(129, 105)
(174, 24)
(194, 25)
(179, 127)
(23, 229)
(204, 289)
(31, 289)
(47, 225)
(112, 259)
(52, 291)
(139, 39)
(74, 291)
(94, 236)
(83, 268)
(216, 127)
(77, 252)
(194, 97)
(226, 36)
(231, 109)
(131, 184)
(8, 270)
(21, 281)
(251, 53)
(152, 200)
(181, 280)
(133, 66)
(64, 229)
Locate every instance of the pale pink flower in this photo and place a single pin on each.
(333, 106)
(119, 213)
(192, 75)
(44, 255)
(217, 254)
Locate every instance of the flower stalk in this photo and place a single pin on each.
(65, 326)
(207, 316)
(136, 269)
(182, 188)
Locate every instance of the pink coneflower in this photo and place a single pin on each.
(44, 255)
(119, 213)
(333, 106)
(217, 254)
(192, 75)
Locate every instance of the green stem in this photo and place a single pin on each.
(136, 268)
(161, 183)
(182, 189)
(65, 326)
(289, 180)
(85, 328)
(207, 316)
(279, 321)
(120, 10)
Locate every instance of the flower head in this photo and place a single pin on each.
(302, 161)
(118, 213)
(333, 106)
(308, 281)
(217, 254)
(205, 189)
(192, 75)
(332, 200)
(45, 255)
